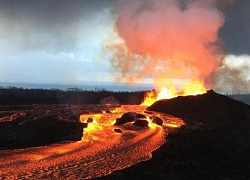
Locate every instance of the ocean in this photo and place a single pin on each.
(89, 86)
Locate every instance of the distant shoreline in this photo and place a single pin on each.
(86, 86)
(21, 96)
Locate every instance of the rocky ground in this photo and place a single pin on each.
(214, 143)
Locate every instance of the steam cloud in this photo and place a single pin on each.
(170, 41)
(232, 77)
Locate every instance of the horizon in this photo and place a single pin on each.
(94, 86)
(110, 86)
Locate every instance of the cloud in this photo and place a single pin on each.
(47, 25)
(52, 41)
(233, 75)
(42, 67)
(236, 31)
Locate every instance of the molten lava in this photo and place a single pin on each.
(193, 88)
(167, 93)
(190, 88)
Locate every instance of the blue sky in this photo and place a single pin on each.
(48, 41)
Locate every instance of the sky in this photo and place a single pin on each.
(62, 42)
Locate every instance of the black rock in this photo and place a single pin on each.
(157, 121)
(108, 111)
(125, 118)
(141, 123)
(118, 131)
(90, 120)
(141, 116)
(148, 112)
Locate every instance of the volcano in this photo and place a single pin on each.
(213, 144)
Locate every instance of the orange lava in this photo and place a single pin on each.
(194, 88)
(190, 88)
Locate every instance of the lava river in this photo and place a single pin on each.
(100, 152)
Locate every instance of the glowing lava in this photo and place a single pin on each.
(190, 88)
(167, 93)
(193, 88)
(99, 153)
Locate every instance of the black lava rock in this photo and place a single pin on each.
(157, 121)
(90, 120)
(141, 116)
(118, 131)
(141, 123)
(125, 118)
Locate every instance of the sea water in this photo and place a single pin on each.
(88, 86)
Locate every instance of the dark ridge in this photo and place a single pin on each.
(218, 148)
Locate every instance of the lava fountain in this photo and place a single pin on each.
(193, 88)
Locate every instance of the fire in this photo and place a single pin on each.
(190, 88)
(193, 88)
(149, 98)
(167, 93)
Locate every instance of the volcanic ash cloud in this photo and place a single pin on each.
(171, 41)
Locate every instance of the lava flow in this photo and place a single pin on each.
(101, 151)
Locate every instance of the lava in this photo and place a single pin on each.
(193, 88)
(190, 88)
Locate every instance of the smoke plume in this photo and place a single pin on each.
(171, 41)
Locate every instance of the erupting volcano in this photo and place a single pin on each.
(181, 129)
